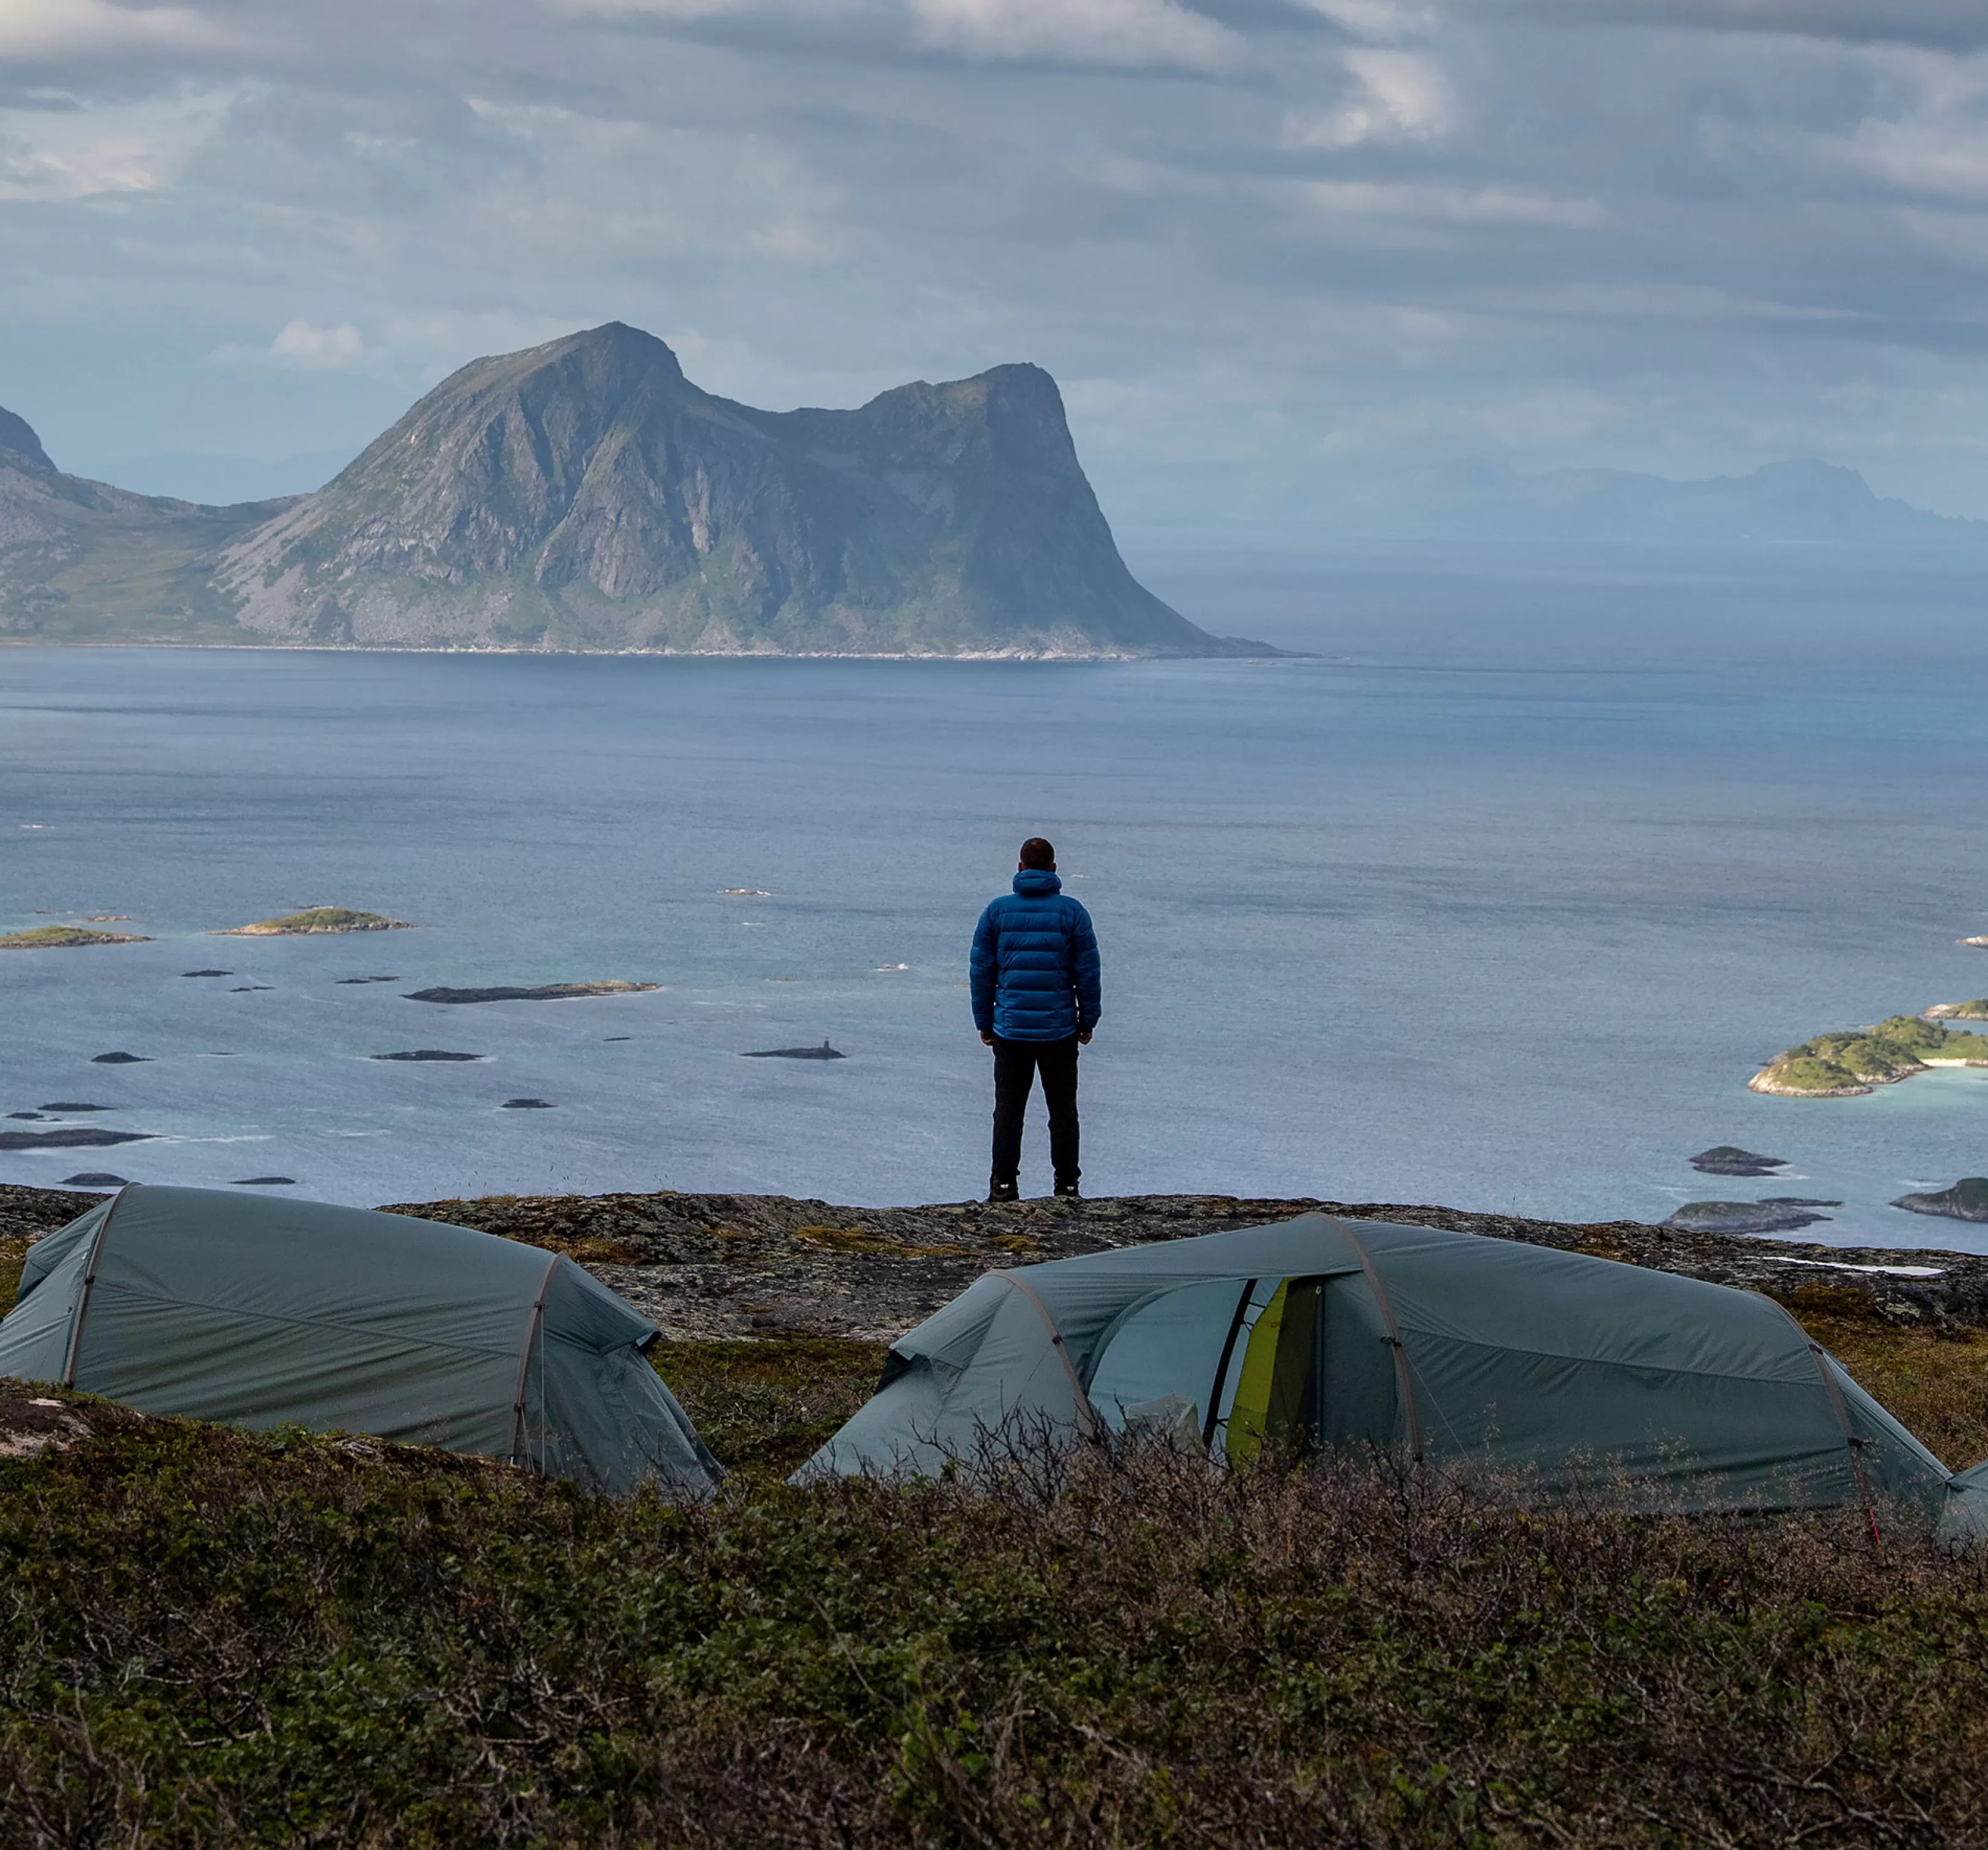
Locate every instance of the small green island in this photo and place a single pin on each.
(1975, 1011)
(1860, 1060)
(313, 921)
(65, 937)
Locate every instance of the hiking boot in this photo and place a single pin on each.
(997, 1190)
(1068, 1189)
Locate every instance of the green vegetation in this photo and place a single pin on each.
(764, 1407)
(314, 919)
(62, 937)
(212, 1639)
(1975, 1011)
(1856, 1061)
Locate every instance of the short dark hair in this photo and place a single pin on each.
(1036, 853)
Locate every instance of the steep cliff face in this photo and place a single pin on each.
(584, 494)
(83, 562)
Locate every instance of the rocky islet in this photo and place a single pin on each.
(542, 992)
(1967, 1200)
(1730, 1159)
(1853, 1061)
(80, 1136)
(316, 921)
(1776, 1214)
(65, 937)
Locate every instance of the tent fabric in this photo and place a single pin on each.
(264, 1313)
(1549, 1369)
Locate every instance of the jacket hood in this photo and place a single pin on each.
(1032, 883)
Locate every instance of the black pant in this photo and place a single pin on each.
(1015, 1064)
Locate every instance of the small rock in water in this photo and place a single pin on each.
(96, 1178)
(526, 1105)
(249, 989)
(823, 1052)
(265, 1182)
(207, 973)
(605, 1038)
(1778, 1214)
(1730, 1159)
(1967, 1200)
(75, 1137)
(428, 1053)
(32, 1116)
(541, 992)
(120, 1059)
(368, 979)
(72, 1105)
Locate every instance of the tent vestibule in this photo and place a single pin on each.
(1547, 1370)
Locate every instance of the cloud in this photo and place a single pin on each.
(1429, 201)
(41, 32)
(1402, 96)
(1684, 223)
(298, 343)
(56, 154)
(1132, 32)
(302, 346)
(1380, 19)
(1949, 23)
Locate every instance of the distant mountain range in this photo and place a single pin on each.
(584, 495)
(1801, 503)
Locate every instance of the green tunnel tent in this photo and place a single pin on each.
(262, 1313)
(1550, 1368)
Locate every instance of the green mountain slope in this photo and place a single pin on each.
(83, 562)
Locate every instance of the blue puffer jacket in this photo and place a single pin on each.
(1035, 963)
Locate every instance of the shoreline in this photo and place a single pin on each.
(712, 655)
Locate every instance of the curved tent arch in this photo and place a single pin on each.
(1552, 1369)
(262, 1313)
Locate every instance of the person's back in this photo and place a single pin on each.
(1035, 988)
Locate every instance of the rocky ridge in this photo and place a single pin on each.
(81, 562)
(710, 1265)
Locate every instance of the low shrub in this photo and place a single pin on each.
(216, 1639)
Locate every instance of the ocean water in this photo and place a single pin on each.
(1495, 901)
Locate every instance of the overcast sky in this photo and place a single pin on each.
(1271, 248)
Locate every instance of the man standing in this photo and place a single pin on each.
(1035, 984)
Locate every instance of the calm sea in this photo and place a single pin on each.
(1497, 901)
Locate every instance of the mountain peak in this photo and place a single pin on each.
(17, 438)
(584, 494)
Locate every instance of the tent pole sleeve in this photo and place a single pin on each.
(524, 1359)
(1817, 1355)
(1402, 1379)
(88, 1286)
(1222, 1367)
(1086, 1414)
